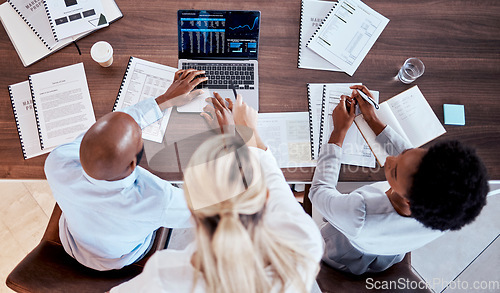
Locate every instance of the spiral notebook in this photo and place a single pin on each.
(33, 13)
(322, 99)
(347, 34)
(72, 17)
(312, 13)
(29, 30)
(22, 105)
(315, 106)
(51, 108)
(143, 80)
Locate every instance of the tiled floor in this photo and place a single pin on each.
(469, 255)
(24, 213)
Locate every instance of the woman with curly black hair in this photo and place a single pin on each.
(427, 193)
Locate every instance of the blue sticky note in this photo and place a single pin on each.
(454, 114)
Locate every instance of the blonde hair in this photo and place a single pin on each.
(226, 192)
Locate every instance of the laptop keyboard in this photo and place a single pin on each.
(221, 75)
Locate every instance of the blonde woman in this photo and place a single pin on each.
(251, 234)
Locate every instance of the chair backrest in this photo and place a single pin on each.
(398, 278)
(48, 268)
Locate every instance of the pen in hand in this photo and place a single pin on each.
(368, 99)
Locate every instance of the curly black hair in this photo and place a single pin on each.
(450, 187)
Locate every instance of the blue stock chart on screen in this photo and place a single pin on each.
(212, 34)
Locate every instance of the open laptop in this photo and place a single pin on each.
(224, 44)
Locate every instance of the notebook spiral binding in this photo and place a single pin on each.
(36, 115)
(17, 122)
(321, 24)
(123, 81)
(50, 20)
(323, 105)
(29, 24)
(310, 109)
(300, 37)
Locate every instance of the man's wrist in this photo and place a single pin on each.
(164, 102)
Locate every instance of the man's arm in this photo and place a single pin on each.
(179, 93)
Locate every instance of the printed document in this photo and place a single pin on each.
(287, 135)
(347, 34)
(355, 150)
(62, 104)
(144, 80)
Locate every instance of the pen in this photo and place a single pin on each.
(233, 88)
(368, 99)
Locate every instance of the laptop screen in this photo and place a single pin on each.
(215, 34)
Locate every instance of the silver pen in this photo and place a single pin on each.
(368, 99)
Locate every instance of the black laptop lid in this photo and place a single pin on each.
(217, 34)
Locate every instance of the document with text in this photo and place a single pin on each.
(62, 104)
(287, 135)
(410, 115)
(143, 80)
(22, 105)
(347, 34)
(355, 150)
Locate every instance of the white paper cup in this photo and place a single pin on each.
(102, 53)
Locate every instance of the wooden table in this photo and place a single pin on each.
(459, 42)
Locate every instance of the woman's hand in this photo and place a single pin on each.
(219, 114)
(367, 108)
(343, 116)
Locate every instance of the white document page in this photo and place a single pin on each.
(73, 17)
(415, 116)
(315, 96)
(355, 150)
(313, 13)
(348, 34)
(22, 104)
(287, 135)
(34, 13)
(144, 80)
(385, 115)
(62, 104)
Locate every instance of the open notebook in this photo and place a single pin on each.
(410, 115)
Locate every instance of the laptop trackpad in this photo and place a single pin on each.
(198, 103)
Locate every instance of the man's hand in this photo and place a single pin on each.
(219, 115)
(179, 93)
(367, 108)
(343, 116)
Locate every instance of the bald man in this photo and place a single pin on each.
(111, 206)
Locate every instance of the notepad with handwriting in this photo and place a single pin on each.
(410, 115)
